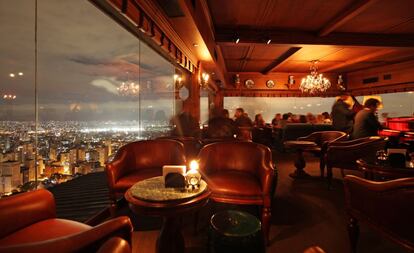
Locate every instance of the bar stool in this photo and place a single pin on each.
(235, 231)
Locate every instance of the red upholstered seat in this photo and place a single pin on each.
(28, 224)
(240, 173)
(141, 160)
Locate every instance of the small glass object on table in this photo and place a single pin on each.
(382, 156)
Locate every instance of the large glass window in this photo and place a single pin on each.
(98, 87)
(268, 107)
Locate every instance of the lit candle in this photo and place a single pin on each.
(193, 176)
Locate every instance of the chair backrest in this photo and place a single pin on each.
(387, 206)
(344, 154)
(153, 153)
(239, 156)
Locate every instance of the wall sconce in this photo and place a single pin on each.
(340, 83)
(178, 80)
(291, 81)
(204, 80)
(237, 80)
(236, 38)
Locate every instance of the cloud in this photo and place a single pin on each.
(109, 84)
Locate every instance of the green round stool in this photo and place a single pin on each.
(235, 231)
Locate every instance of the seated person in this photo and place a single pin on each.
(366, 122)
(241, 120)
(283, 122)
(259, 121)
(276, 119)
(221, 126)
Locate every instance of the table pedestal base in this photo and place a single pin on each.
(300, 164)
(170, 239)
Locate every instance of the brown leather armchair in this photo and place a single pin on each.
(240, 173)
(343, 154)
(140, 160)
(387, 207)
(29, 224)
(323, 139)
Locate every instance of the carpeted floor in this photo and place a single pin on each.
(305, 213)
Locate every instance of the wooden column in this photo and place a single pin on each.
(192, 103)
(215, 102)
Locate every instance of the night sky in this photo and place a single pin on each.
(83, 56)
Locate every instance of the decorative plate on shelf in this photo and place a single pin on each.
(249, 83)
(270, 84)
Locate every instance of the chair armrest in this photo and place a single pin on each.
(116, 168)
(266, 173)
(310, 137)
(356, 141)
(24, 209)
(86, 241)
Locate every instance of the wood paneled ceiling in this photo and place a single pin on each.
(344, 35)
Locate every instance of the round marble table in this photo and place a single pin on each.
(300, 162)
(150, 197)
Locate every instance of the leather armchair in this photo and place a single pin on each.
(385, 206)
(140, 160)
(323, 139)
(240, 173)
(343, 154)
(29, 224)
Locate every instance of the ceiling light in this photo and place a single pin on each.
(12, 75)
(268, 41)
(20, 73)
(195, 45)
(314, 82)
(236, 38)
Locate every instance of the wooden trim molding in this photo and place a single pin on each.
(144, 16)
(274, 93)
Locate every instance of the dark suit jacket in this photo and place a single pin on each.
(342, 116)
(366, 124)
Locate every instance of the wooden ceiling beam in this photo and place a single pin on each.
(350, 12)
(280, 60)
(226, 36)
(363, 58)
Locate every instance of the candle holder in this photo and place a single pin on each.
(193, 177)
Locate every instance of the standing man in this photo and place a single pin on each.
(342, 116)
(366, 122)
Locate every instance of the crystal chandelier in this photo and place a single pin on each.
(314, 82)
(128, 88)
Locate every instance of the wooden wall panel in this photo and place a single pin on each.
(281, 87)
(402, 79)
